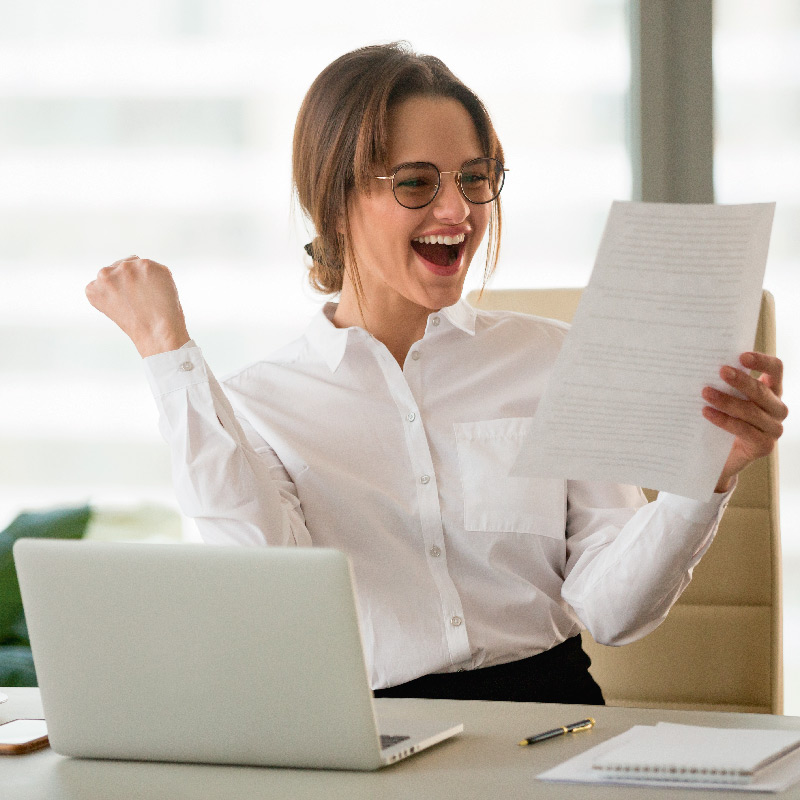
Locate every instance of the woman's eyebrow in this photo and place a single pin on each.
(412, 163)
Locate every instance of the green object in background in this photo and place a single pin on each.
(16, 663)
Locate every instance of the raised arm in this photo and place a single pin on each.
(226, 477)
(623, 575)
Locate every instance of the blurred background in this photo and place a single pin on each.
(163, 128)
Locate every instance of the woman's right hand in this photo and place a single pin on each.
(141, 297)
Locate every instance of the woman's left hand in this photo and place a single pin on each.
(755, 419)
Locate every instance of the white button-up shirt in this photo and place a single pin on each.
(457, 565)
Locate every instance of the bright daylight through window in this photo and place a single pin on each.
(164, 129)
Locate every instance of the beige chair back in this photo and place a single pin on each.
(720, 648)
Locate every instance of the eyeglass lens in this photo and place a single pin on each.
(415, 185)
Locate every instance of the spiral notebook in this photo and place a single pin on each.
(689, 756)
(692, 753)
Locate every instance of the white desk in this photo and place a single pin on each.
(483, 763)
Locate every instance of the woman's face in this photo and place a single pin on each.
(395, 268)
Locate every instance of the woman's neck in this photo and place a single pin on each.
(395, 322)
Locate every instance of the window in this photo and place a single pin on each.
(164, 129)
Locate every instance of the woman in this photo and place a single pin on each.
(388, 430)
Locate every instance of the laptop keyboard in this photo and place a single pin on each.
(388, 741)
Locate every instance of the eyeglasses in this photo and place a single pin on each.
(416, 184)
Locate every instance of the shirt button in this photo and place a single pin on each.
(455, 621)
(435, 551)
(436, 320)
(425, 479)
(415, 355)
(187, 366)
(411, 416)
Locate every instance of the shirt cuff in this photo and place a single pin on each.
(698, 511)
(175, 369)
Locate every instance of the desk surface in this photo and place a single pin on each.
(483, 762)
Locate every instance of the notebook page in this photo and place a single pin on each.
(687, 752)
(775, 778)
(675, 294)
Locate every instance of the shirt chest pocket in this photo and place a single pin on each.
(493, 499)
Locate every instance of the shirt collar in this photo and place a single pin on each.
(331, 342)
(328, 340)
(462, 316)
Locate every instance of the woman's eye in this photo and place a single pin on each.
(416, 182)
(473, 179)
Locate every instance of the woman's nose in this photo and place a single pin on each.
(450, 205)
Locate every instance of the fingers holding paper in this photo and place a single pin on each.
(755, 417)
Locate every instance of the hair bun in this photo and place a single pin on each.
(316, 250)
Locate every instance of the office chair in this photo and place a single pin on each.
(720, 648)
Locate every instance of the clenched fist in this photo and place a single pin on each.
(141, 297)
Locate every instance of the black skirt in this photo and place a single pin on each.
(559, 675)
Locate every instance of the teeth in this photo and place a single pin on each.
(441, 239)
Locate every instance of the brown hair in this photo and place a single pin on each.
(342, 133)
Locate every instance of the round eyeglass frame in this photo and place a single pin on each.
(456, 172)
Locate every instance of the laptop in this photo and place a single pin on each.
(205, 654)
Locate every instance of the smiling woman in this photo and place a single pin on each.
(342, 144)
(400, 275)
(390, 428)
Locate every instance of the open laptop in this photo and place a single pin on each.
(205, 654)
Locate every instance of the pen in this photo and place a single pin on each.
(583, 725)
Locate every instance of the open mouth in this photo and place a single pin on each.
(443, 251)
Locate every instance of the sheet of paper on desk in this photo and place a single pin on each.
(675, 294)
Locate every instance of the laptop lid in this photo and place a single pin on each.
(199, 653)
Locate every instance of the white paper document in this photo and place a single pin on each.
(675, 294)
(581, 769)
